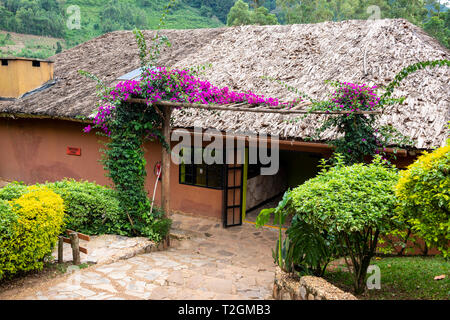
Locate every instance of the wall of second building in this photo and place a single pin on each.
(20, 76)
(34, 150)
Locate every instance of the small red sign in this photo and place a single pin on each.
(71, 151)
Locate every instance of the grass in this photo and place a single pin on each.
(182, 17)
(5, 40)
(402, 278)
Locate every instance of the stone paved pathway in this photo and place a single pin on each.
(215, 263)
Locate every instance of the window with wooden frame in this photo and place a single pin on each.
(201, 175)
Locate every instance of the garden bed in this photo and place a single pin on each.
(402, 278)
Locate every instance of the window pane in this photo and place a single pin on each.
(215, 173)
(200, 175)
(188, 179)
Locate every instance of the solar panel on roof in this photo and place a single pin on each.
(133, 75)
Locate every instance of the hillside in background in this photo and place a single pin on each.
(29, 46)
(49, 18)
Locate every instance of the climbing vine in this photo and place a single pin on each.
(359, 136)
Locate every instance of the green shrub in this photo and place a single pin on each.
(342, 212)
(12, 191)
(94, 209)
(29, 228)
(91, 208)
(305, 249)
(424, 195)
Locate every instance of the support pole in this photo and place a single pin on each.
(75, 242)
(60, 249)
(165, 163)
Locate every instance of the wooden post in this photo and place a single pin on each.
(60, 249)
(165, 167)
(75, 242)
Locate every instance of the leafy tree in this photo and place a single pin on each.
(412, 10)
(429, 14)
(438, 26)
(240, 14)
(262, 16)
(120, 15)
(220, 7)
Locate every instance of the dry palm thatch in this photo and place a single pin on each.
(302, 56)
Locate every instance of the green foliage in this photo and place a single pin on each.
(348, 199)
(421, 13)
(5, 39)
(58, 48)
(90, 208)
(43, 17)
(354, 204)
(219, 8)
(30, 226)
(424, 194)
(437, 28)
(360, 136)
(125, 163)
(7, 219)
(311, 250)
(49, 17)
(124, 159)
(341, 212)
(280, 214)
(240, 14)
(405, 72)
(120, 15)
(13, 191)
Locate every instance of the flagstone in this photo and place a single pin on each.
(231, 263)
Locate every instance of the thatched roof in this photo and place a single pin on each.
(303, 56)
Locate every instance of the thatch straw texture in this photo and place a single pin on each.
(303, 56)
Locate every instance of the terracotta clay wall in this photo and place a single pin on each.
(34, 150)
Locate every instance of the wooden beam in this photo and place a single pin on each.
(292, 145)
(165, 163)
(169, 104)
(67, 240)
(80, 235)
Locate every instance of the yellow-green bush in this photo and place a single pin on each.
(424, 196)
(29, 228)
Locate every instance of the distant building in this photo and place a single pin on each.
(18, 76)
